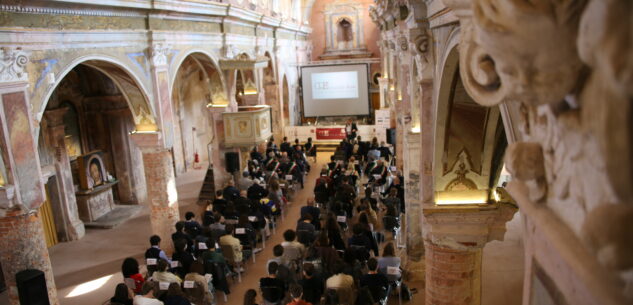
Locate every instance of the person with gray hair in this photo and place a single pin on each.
(245, 182)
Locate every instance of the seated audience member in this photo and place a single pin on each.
(342, 283)
(180, 234)
(229, 240)
(305, 230)
(201, 294)
(130, 271)
(230, 192)
(359, 242)
(389, 259)
(250, 297)
(385, 152)
(191, 225)
(273, 289)
(219, 222)
(175, 296)
(392, 200)
(329, 256)
(293, 250)
(219, 203)
(283, 269)
(312, 284)
(147, 295)
(245, 182)
(374, 280)
(155, 253)
(296, 293)
(256, 192)
(182, 258)
(372, 201)
(313, 211)
(122, 295)
(163, 274)
(212, 255)
(334, 232)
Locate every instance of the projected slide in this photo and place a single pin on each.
(335, 85)
(335, 90)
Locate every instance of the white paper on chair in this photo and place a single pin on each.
(377, 177)
(356, 162)
(202, 246)
(240, 231)
(341, 219)
(393, 270)
(282, 185)
(175, 264)
(188, 284)
(252, 218)
(393, 168)
(163, 285)
(217, 246)
(288, 177)
(151, 261)
(208, 277)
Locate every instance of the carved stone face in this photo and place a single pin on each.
(533, 47)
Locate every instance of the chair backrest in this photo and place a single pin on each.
(360, 252)
(379, 293)
(331, 297)
(219, 277)
(230, 221)
(130, 283)
(272, 294)
(195, 294)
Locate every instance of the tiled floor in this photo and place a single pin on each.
(86, 271)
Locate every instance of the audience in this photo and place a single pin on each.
(319, 261)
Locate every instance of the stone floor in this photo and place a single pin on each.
(86, 271)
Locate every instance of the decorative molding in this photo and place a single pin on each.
(69, 11)
(13, 65)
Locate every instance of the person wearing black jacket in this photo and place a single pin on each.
(256, 192)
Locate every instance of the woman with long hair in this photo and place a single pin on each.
(334, 232)
(250, 297)
(122, 295)
(130, 271)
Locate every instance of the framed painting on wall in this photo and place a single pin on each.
(91, 170)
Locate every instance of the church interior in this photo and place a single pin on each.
(438, 152)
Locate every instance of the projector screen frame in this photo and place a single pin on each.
(367, 87)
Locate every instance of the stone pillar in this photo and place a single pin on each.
(22, 246)
(454, 238)
(73, 227)
(272, 99)
(413, 207)
(22, 242)
(161, 186)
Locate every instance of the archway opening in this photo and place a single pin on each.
(91, 165)
(197, 86)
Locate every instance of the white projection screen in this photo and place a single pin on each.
(335, 90)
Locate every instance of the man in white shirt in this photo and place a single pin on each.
(147, 295)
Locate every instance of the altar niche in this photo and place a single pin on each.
(85, 150)
(344, 31)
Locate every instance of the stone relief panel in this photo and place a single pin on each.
(571, 71)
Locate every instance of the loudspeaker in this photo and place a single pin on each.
(391, 136)
(232, 161)
(32, 287)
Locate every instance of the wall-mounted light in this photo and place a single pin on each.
(218, 100)
(250, 88)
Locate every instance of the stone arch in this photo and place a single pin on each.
(208, 59)
(128, 82)
(197, 85)
(468, 136)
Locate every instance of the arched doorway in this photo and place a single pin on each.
(90, 165)
(197, 86)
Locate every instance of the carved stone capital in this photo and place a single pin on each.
(467, 227)
(159, 54)
(13, 65)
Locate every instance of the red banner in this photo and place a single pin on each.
(330, 133)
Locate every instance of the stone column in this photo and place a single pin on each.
(161, 186)
(22, 242)
(72, 225)
(454, 238)
(22, 246)
(272, 99)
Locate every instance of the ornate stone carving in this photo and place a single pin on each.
(525, 162)
(13, 65)
(403, 43)
(159, 54)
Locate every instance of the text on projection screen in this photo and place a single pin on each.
(335, 85)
